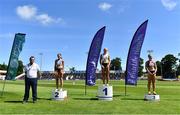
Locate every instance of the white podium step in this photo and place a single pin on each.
(59, 95)
(105, 92)
(152, 97)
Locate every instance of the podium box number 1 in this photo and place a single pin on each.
(105, 92)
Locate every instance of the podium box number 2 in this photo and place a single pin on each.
(105, 92)
(59, 95)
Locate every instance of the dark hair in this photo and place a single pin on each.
(32, 57)
(149, 55)
(59, 54)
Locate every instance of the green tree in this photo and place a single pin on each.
(115, 64)
(19, 70)
(169, 65)
(3, 66)
(159, 69)
(141, 67)
(72, 69)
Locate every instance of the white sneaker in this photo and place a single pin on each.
(61, 89)
(56, 89)
(107, 84)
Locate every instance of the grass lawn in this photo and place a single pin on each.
(79, 103)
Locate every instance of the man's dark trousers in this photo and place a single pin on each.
(30, 82)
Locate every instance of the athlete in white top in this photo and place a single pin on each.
(105, 65)
(59, 71)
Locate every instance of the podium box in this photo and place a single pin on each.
(152, 97)
(59, 95)
(105, 92)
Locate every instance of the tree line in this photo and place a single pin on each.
(20, 67)
(168, 67)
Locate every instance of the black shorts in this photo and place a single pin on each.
(105, 64)
(58, 70)
(152, 72)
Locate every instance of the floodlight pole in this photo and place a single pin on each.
(41, 55)
(125, 89)
(3, 87)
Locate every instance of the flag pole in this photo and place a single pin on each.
(85, 89)
(8, 67)
(93, 57)
(125, 89)
(85, 86)
(12, 52)
(132, 62)
(125, 85)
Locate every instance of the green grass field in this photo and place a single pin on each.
(79, 103)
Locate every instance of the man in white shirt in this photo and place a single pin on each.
(32, 72)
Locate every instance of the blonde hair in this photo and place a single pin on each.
(106, 49)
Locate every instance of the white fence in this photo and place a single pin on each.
(2, 74)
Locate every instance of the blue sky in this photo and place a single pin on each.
(68, 26)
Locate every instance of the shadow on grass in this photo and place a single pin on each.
(42, 98)
(85, 98)
(119, 95)
(28, 101)
(12, 101)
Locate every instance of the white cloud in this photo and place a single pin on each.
(26, 12)
(104, 6)
(29, 12)
(45, 19)
(169, 4)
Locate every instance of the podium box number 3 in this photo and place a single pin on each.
(105, 92)
(152, 97)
